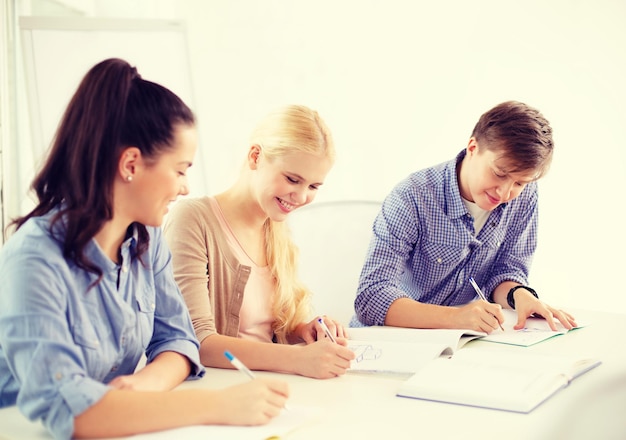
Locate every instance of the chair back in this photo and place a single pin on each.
(333, 238)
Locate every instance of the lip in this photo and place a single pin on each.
(494, 201)
(285, 206)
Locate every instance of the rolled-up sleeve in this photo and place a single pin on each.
(173, 330)
(39, 349)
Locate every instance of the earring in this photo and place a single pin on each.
(129, 178)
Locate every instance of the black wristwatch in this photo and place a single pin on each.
(511, 299)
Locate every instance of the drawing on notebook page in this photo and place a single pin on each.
(365, 352)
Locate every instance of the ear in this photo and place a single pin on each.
(254, 154)
(472, 147)
(128, 162)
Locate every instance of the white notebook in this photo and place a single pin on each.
(510, 380)
(402, 350)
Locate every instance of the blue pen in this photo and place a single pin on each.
(482, 296)
(238, 364)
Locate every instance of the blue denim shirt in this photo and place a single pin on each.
(61, 342)
(424, 246)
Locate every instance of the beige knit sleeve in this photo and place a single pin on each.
(186, 233)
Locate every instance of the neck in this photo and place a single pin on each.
(241, 209)
(110, 238)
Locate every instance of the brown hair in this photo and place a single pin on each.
(113, 108)
(520, 133)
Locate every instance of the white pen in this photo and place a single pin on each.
(238, 364)
(482, 296)
(326, 330)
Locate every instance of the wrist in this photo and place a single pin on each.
(510, 297)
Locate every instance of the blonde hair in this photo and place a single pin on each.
(291, 129)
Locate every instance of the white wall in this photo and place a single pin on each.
(402, 83)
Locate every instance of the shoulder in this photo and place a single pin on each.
(33, 239)
(32, 266)
(195, 207)
(189, 213)
(425, 184)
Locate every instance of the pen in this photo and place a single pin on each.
(238, 364)
(326, 330)
(481, 295)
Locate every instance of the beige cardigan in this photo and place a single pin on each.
(209, 275)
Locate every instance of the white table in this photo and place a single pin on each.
(364, 406)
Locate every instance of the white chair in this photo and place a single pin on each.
(333, 238)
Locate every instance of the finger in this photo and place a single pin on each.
(565, 320)
(521, 321)
(341, 331)
(342, 341)
(278, 388)
(549, 316)
(332, 326)
(347, 355)
(309, 338)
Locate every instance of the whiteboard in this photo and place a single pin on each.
(58, 52)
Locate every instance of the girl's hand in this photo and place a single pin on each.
(324, 359)
(252, 403)
(313, 331)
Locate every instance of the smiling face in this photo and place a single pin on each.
(485, 179)
(158, 182)
(285, 183)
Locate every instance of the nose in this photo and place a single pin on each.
(505, 190)
(300, 196)
(184, 190)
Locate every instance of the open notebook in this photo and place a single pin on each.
(510, 380)
(403, 350)
(536, 330)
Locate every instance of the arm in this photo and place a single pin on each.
(513, 264)
(122, 412)
(414, 246)
(478, 315)
(388, 252)
(193, 242)
(56, 369)
(165, 372)
(321, 360)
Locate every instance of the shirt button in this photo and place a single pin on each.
(153, 306)
(439, 260)
(124, 269)
(58, 376)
